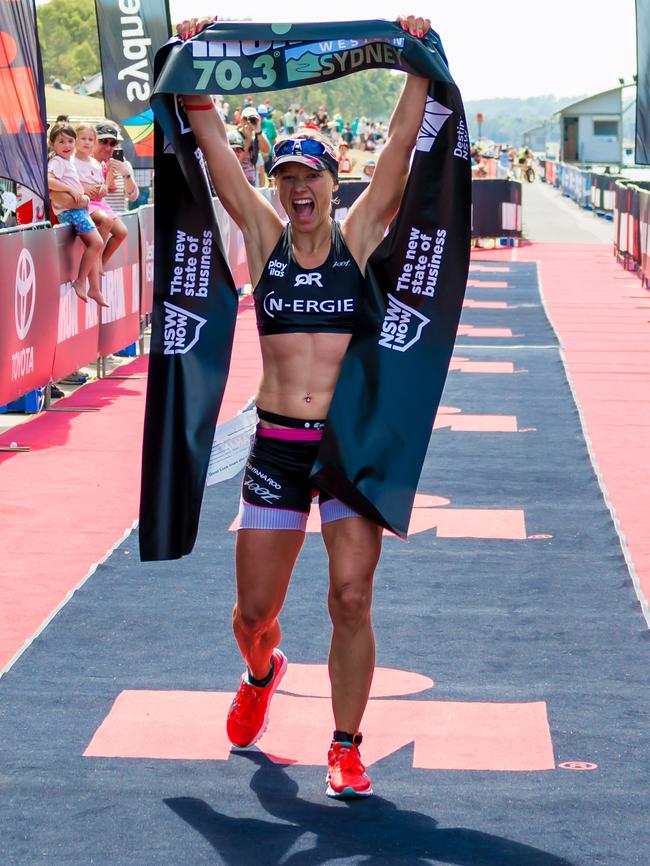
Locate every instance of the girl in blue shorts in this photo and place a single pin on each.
(70, 204)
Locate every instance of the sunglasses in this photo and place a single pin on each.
(302, 147)
(111, 142)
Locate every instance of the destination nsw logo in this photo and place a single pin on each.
(182, 330)
(331, 58)
(435, 117)
(402, 326)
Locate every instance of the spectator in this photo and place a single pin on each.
(268, 127)
(118, 173)
(368, 169)
(289, 121)
(346, 163)
(255, 143)
(92, 178)
(236, 142)
(70, 204)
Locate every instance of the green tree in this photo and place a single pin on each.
(67, 31)
(372, 93)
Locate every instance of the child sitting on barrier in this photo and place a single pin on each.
(70, 204)
(91, 176)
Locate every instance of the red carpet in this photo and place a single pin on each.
(71, 499)
(601, 314)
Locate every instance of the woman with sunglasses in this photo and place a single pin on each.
(309, 287)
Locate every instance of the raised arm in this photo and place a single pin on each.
(372, 212)
(252, 213)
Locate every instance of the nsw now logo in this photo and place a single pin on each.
(402, 326)
(182, 330)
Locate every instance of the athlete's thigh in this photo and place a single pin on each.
(353, 546)
(264, 561)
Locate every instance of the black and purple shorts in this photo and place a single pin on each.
(276, 490)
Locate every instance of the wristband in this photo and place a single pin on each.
(203, 106)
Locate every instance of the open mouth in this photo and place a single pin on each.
(303, 208)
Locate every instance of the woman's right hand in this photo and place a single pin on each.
(187, 29)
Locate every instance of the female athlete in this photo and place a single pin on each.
(309, 285)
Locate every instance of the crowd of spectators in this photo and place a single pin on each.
(253, 130)
(501, 161)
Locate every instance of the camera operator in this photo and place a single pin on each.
(256, 144)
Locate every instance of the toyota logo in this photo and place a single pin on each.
(25, 293)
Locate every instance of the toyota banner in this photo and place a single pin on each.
(29, 301)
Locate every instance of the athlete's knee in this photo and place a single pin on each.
(252, 619)
(350, 603)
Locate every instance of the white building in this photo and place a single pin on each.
(590, 130)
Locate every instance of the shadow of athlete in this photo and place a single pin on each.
(375, 830)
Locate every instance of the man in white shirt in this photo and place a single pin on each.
(122, 187)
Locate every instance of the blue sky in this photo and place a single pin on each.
(494, 48)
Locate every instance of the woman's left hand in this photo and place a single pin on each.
(414, 25)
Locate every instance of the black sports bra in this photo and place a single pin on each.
(291, 299)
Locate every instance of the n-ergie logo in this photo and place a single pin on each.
(402, 326)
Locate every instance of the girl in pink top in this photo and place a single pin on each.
(93, 176)
(70, 204)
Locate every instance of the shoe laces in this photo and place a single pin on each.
(347, 758)
(245, 700)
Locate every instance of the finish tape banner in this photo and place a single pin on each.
(642, 149)
(23, 147)
(130, 33)
(391, 381)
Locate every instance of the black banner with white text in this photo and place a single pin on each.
(642, 149)
(23, 145)
(390, 384)
(130, 33)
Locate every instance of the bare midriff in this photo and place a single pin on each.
(300, 373)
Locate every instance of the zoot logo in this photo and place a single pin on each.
(263, 492)
(182, 330)
(312, 279)
(402, 326)
(434, 118)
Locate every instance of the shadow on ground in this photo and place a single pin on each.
(374, 829)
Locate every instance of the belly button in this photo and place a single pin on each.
(307, 398)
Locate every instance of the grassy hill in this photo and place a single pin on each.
(67, 102)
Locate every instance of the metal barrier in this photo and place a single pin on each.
(592, 190)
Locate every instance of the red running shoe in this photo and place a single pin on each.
(248, 715)
(346, 775)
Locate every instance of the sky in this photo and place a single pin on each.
(494, 48)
